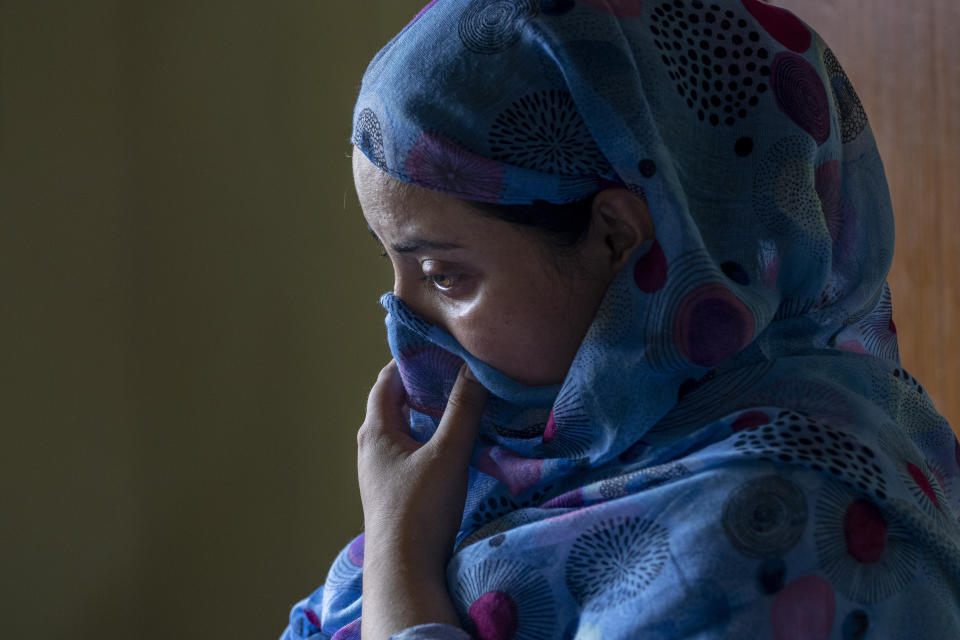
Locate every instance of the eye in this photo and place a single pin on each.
(443, 278)
(441, 281)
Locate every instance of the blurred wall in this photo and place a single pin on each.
(189, 309)
(195, 325)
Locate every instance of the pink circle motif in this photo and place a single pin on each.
(517, 473)
(923, 483)
(851, 345)
(650, 271)
(800, 94)
(619, 8)
(865, 531)
(711, 324)
(569, 499)
(494, 615)
(771, 267)
(803, 610)
(355, 551)
(826, 180)
(550, 431)
(785, 27)
(750, 420)
(348, 632)
(428, 373)
(437, 162)
(312, 617)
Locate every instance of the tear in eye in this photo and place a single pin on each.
(436, 279)
(442, 281)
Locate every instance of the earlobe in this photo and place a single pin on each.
(624, 221)
(619, 238)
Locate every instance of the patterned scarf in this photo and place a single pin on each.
(736, 451)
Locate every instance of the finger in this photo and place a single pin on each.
(387, 400)
(458, 426)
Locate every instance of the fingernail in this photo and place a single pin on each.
(468, 374)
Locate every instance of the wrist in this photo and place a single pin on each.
(408, 553)
(399, 593)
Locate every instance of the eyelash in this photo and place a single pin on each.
(430, 281)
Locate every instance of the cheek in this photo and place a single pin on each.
(528, 335)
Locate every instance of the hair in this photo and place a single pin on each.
(560, 226)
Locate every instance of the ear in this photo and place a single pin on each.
(623, 221)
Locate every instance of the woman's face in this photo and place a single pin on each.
(487, 282)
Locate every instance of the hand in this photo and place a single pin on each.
(413, 496)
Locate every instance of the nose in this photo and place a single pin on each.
(401, 288)
(409, 291)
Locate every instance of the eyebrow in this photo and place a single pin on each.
(416, 244)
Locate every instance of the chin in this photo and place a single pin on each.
(537, 377)
(531, 367)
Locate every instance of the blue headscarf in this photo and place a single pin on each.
(736, 450)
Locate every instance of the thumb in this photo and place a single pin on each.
(458, 426)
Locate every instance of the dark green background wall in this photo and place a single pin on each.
(189, 310)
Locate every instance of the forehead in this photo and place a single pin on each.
(381, 196)
(392, 207)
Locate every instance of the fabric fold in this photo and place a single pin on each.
(736, 450)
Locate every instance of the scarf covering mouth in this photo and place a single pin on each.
(736, 450)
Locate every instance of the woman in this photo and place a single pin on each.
(645, 379)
